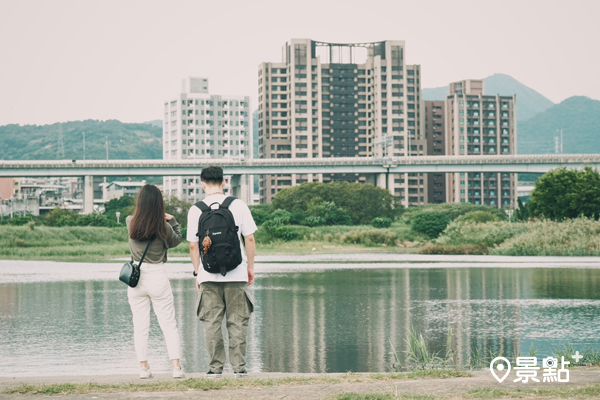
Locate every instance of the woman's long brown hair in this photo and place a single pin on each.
(149, 216)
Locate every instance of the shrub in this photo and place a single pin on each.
(361, 201)
(453, 210)
(260, 213)
(488, 234)
(282, 216)
(311, 220)
(477, 217)
(94, 219)
(19, 221)
(60, 217)
(330, 213)
(371, 237)
(465, 248)
(381, 222)
(276, 228)
(431, 223)
(297, 217)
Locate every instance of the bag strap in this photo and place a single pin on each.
(202, 206)
(227, 202)
(145, 251)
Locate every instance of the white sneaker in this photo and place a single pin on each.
(145, 373)
(178, 373)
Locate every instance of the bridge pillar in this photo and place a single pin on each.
(88, 195)
(384, 181)
(241, 187)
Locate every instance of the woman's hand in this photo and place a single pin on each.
(168, 217)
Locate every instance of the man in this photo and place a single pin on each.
(223, 295)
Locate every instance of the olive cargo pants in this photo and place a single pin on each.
(234, 301)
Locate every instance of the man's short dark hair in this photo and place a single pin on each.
(212, 175)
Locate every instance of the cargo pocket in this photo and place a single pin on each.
(200, 311)
(249, 300)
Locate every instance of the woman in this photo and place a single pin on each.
(149, 222)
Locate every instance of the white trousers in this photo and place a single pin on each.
(154, 286)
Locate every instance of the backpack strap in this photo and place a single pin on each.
(227, 202)
(202, 206)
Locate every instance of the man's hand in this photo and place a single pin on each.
(197, 286)
(168, 217)
(250, 274)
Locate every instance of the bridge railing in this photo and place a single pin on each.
(268, 162)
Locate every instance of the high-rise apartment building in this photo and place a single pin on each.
(341, 100)
(479, 124)
(435, 132)
(198, 125)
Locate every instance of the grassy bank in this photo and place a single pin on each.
(217, 384)
(576, 237)
(83, 243)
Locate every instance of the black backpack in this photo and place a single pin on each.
(218, 238)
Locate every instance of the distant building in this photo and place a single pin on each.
(479, 124)
(117, 189)
(341, 100)
(9, 187)
(435, 132)
(198, 125)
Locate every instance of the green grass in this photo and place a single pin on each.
(94, 244)
(553, 392)
(576, 237)
(216, 384)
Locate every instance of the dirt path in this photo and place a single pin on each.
(435, 387)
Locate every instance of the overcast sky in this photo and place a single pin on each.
(103, 59)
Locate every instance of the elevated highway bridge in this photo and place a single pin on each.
(240, 169)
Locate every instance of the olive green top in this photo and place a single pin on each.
(157, 253)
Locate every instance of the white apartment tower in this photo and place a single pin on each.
(341, 100)
(198, 125)
(480, 124)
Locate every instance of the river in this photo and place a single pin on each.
(313, 313)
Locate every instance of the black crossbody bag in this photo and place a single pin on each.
(130, 272)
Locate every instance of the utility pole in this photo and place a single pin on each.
(83, 146)
(561, 142)
(60, 149)
(106, 148)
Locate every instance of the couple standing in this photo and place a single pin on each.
(222, 294)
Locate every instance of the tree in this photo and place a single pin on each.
(430, 223)
(362, 201)
(60, 217)
(177, 208)
(566, 193)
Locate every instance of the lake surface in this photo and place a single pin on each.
(74, 319)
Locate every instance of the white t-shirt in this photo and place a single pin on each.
(245, 222)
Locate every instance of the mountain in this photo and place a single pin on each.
(40, 142)
(155, 122)
(577, 116)
(529, 102)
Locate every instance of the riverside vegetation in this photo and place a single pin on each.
(560, 220)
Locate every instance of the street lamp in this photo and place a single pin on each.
(509, 212)
(118, 214)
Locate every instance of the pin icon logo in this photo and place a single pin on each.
(496, 372)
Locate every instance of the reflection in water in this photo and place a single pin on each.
(328, 321)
